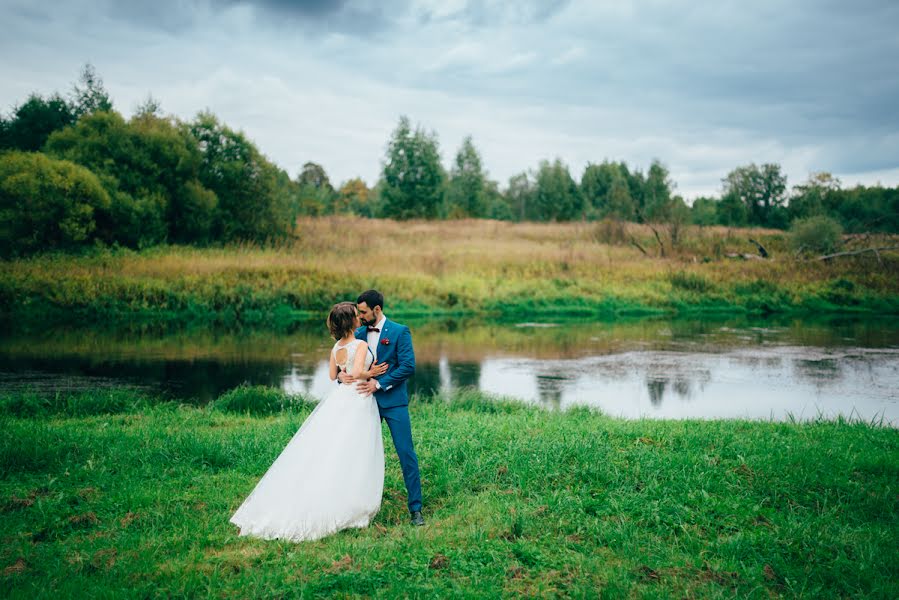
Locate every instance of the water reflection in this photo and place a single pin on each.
(672, 368)
(656, 388)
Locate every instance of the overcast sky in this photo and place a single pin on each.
(702, 86)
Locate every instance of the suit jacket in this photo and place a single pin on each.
(395, 349)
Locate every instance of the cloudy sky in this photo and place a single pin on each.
(702, 86)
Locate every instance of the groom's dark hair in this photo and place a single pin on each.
(371, 297)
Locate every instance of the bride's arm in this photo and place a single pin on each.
(357, 370)
(332, 368)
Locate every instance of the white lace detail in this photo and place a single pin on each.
(350, 355)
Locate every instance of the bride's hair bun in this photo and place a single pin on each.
(342, 319)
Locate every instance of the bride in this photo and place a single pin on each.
(330, 476)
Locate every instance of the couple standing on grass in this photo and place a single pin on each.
(330, 476)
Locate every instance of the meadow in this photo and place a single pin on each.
(114, 493)
(469, 267)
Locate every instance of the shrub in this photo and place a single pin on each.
(842, 292)
(690, 282)
(820, 234)
(46, 204)
(258, 400)
(150, 167)
(610, 231)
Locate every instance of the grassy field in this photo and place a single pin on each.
(114, 494)
(446, 268)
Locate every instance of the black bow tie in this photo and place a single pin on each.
(370, 329)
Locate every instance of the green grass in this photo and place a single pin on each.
(113, 494)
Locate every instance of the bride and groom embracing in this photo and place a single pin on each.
(330, 476)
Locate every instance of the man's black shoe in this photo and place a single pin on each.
(417, 519)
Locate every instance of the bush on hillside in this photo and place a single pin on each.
(819, 234)
(47, 204)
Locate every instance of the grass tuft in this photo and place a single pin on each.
(259, 400)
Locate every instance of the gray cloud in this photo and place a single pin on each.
(702, 86)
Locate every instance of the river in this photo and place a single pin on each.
(659, 368)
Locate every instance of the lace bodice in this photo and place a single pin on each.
(351, 349)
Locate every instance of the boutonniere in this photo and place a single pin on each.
(386, 341)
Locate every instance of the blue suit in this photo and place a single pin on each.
(395, 349)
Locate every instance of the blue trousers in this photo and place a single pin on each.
(401, 431)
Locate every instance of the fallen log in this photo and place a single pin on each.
(876, 251)
(639, 247)
(744, 256)
(761, 248)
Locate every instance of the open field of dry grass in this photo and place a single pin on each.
(468, 266)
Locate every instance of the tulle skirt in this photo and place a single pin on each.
(329, 477)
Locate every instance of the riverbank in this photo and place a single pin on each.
(114, 493)
(463, 268)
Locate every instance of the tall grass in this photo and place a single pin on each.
(461, 267)
(135, 502)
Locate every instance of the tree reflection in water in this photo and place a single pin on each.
(465, 374)
(656, 389)
(426, 379)
(729, 368)
(549, 390)
(680, 386)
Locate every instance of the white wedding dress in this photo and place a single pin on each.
(330, 476)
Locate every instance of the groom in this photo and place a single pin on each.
(391, 344)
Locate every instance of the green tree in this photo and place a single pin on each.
(497, 206)
(557, 197)
(103, 142)
(165, 160)
(864, 208)
(704, 211)
(658, 205)
(413, 178)
(596, 183)
(636, 184)
(90, 96)
(316, 193)
(150, 168)
(253, 196)
(732, 211)
(314, 175)
(33, 121)
(811, 198)
(619, 203)
(520, 197)
(355, 198)
(150, 106)
(46, 204)
(467, 190)
(677, 217)
(761, 190)
(609, 190)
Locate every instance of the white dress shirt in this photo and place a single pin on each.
(373, 338)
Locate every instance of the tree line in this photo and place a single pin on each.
(74, 172)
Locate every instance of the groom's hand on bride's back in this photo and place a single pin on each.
(367, 387)
(376, 370)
